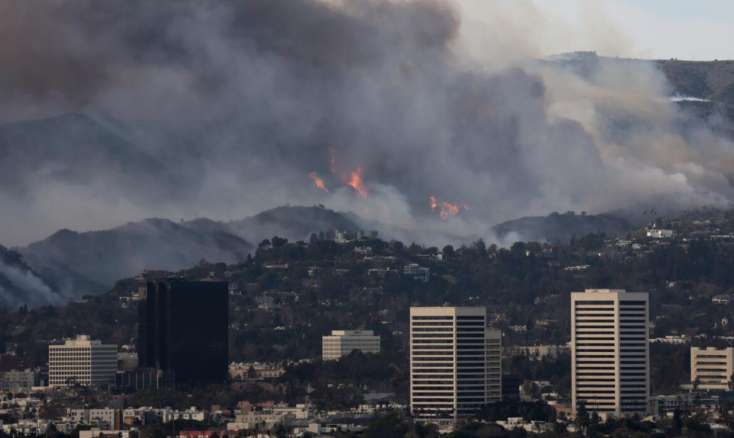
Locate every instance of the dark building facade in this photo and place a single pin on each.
(183, 330)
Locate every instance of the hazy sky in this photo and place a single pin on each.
(684, 29)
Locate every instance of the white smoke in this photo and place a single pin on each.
(25, 288)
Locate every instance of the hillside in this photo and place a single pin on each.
(79, 263)
(526, 285)
(709, 80)
(560, 228)
(90, 262)
(292, 222)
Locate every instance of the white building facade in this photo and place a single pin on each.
(82, 361)
(342, 342)
(712, 368)
(610, 353)
(659, 233)
(455, 363)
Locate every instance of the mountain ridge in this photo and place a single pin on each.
(76, 263)
(561, 227)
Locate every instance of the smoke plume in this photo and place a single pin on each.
(20, 286)
(224, 109)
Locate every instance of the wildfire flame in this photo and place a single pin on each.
(353, 179)
(434, 202)
(318, 182)
(445, 209)
(356, 181)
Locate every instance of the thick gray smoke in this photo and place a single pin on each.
(21, 286)
(222, 110)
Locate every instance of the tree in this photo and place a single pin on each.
(594, 421)
(582, 416)
(448, 252)
(389, 425)
(280, 431)
(677, 425)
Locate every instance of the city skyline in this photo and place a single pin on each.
(366, 218)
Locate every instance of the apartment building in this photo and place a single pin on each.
(712, 368)
(342, 342)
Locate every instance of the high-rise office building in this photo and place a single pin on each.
(610, 352)
(712, 368)
(82, 361)
(183, 330)
(455, 363)
(342, 342)
(493, 341)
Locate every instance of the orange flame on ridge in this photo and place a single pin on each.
(434, 202)
(318, 182)
(356, 181)
(445, 209)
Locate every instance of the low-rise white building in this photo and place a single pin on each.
(82, 361)
(539, 352)
(712, 368)
(417, 272)
(96, 433)
(104, 418)
(278, 414)
(255, 370)
(659, 233)
(25, 427)
(513, 423)
(17, 381)
(342, 342)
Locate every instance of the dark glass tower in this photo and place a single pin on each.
(183, 330)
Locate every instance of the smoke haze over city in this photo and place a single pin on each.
(437, 117)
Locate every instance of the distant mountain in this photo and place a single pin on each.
(19, 285)
(90, 262)
(79, 263)
(294, 223)
(560, 227)
(704, 89)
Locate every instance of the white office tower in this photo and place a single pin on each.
(712, 368)
(342, 342)
(455, 363)
(82, 361)
(610, 351)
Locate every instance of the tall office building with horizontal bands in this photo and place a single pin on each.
(455, 363)
(493, 342)
(712, 368)
(610, 351)
(342, 342)
(82, 361)
(183, 330)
